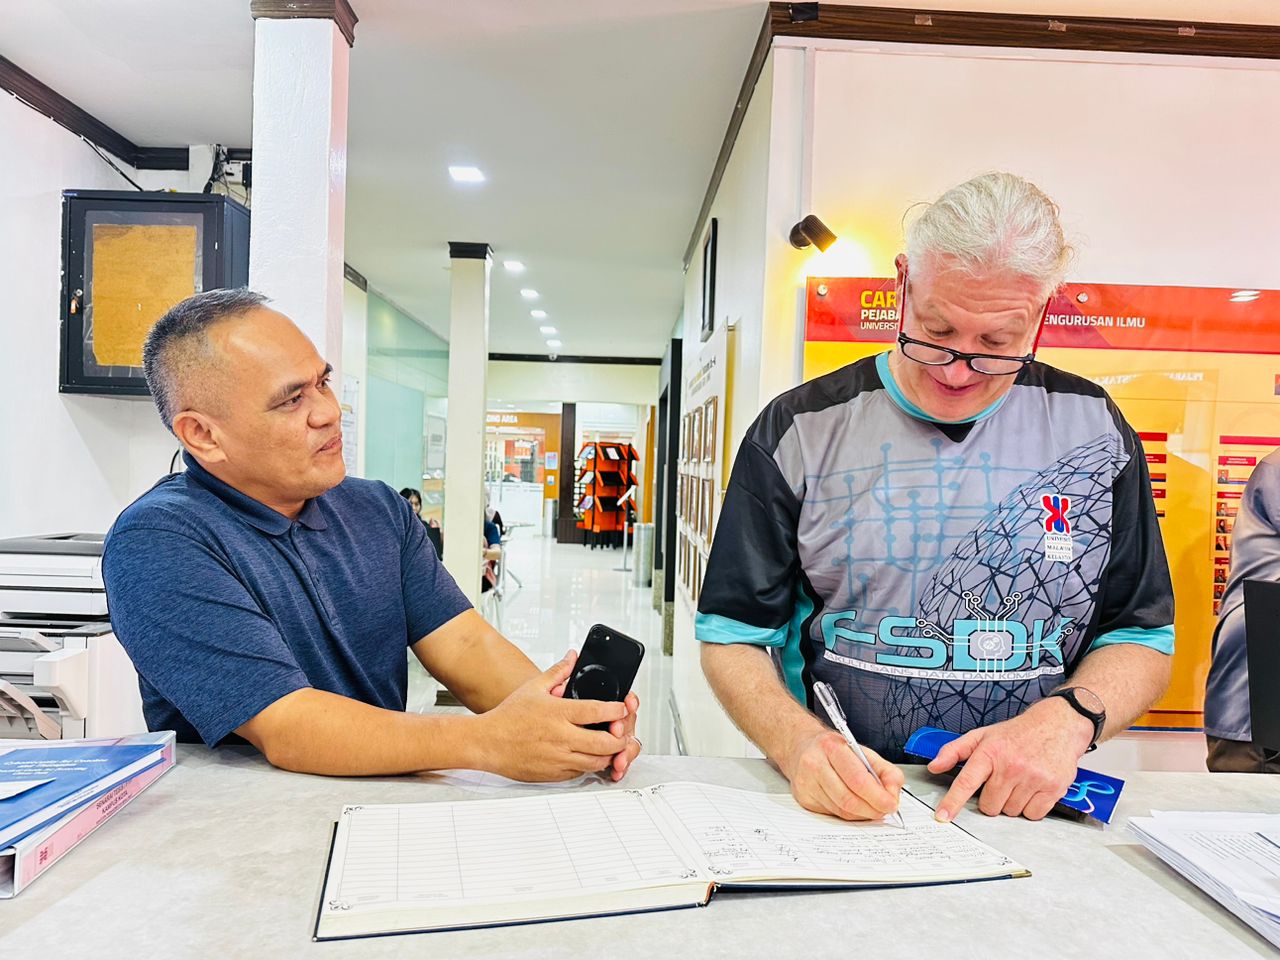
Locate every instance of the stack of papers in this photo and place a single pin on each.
(1233, 857)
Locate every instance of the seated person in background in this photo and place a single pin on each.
(492, 551)
(1255, 555)
(260, 593)
(415, 500)
(434, 534)
(951, 534)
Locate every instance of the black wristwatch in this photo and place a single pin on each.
(1089, 705)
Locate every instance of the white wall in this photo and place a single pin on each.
(1164, 168)
(622, 418)
(513, 381)
(70, 462)
(741, 208)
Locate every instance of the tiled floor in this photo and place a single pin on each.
(563, 589)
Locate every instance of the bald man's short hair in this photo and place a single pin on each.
(177, 351)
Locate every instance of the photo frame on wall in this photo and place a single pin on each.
(695, 451)
(709, 280)
(700, 528)
(706, 509)
(709, 492)
(709, 430)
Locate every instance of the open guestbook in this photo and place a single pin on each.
(400, 868)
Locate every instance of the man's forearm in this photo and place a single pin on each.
(747, 685)
(313, 731)
(478, 665)
(1128, 677)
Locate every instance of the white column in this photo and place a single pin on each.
(300, 174)
(464, 437)
(199, 165)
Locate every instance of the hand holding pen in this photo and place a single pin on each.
(826, 698)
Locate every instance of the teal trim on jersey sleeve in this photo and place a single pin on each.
(897, 396)
(712, 628)
(1157, 638)
(792, 655)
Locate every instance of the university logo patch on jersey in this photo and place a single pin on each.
(1057, 528)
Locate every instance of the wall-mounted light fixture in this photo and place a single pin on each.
(811, 230)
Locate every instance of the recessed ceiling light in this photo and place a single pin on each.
(529, 294)
(553, 343)
(547, 331)
(466, 174)
(537, 314)
(1245, 296)
(513, 266)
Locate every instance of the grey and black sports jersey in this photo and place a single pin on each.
(936, 574)
(1255, 555)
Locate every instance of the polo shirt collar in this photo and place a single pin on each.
(253, 511)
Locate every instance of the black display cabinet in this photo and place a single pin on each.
(127, 257)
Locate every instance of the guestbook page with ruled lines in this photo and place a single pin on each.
(495, 849)
(743, 835)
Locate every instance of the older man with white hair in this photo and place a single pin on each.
(950, 534)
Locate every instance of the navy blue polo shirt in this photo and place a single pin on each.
(225, 606)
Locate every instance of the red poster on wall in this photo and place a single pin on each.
(1088, 315)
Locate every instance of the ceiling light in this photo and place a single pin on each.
(547, 331)
(466, 174)
(529, 294)
(553, 344)
(1245, 296)
(537, 314)
(811, 230)
(513, 266)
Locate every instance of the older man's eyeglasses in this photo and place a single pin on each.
(932, 355)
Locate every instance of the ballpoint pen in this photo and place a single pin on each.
(827, 697)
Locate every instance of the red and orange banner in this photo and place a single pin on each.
(1089, 315)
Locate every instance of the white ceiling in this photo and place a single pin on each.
(596, 122)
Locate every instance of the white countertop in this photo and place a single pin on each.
(224, 855)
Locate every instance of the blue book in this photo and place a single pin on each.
(1092, 794)
(40, 784)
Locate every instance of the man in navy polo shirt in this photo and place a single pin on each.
(261, 594)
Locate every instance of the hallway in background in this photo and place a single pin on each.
(564, 589)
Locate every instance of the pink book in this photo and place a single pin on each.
(31, 856)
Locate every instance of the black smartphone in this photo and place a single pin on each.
(605, 669)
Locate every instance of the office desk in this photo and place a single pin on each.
(223, 857)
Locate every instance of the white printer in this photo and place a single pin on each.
(63, 674)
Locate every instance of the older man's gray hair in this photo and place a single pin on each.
(995, 223)
(177, 350)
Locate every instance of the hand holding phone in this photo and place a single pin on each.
(606, 667)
